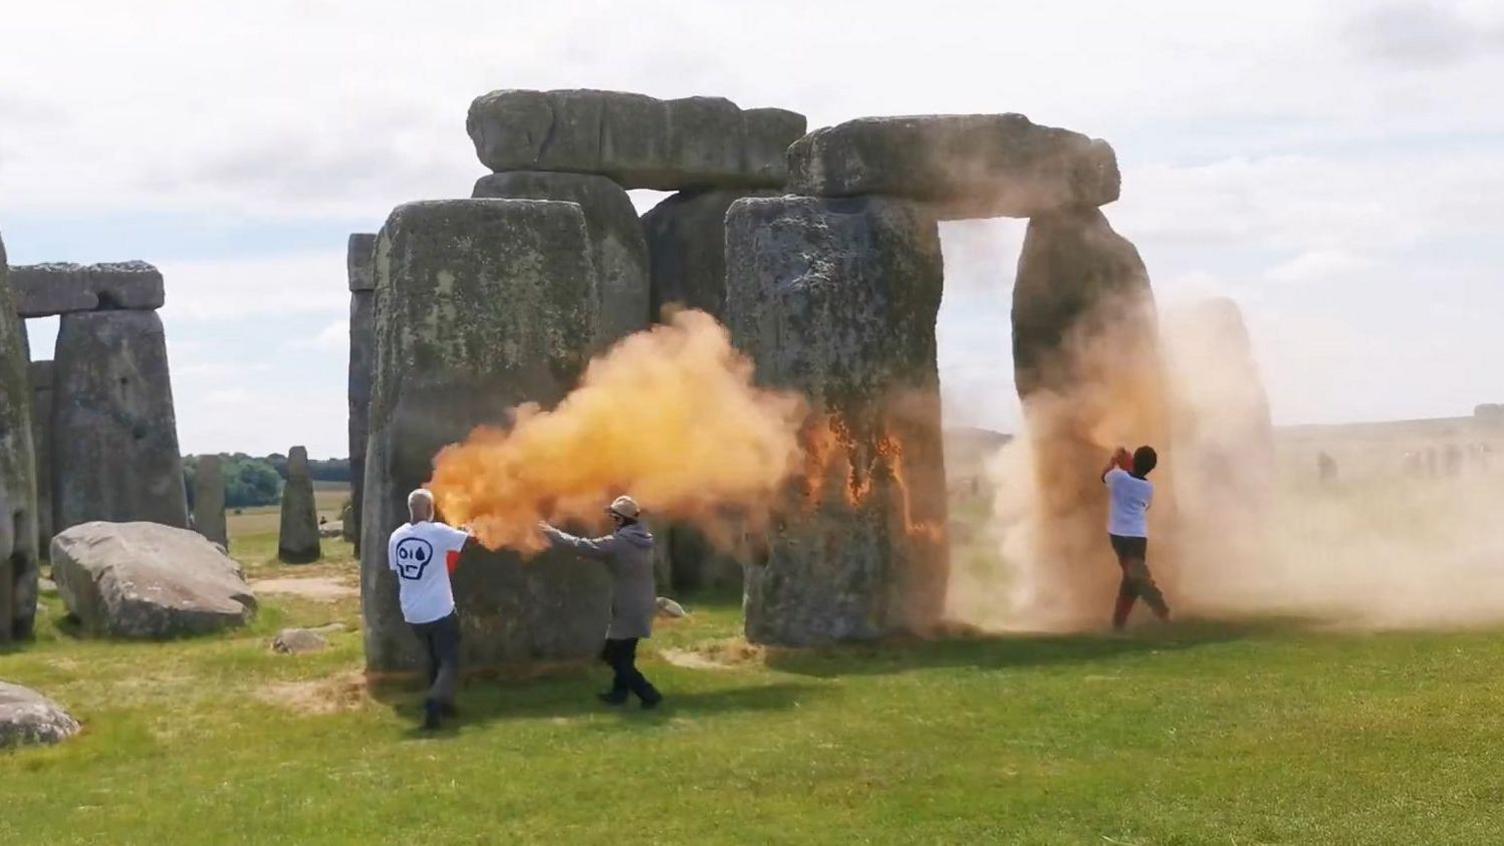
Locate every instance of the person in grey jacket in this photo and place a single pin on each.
(628, 551)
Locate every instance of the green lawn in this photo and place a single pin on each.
(1198, 733)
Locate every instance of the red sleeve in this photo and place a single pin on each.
(452, 560)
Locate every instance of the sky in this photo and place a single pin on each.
(1335, 168)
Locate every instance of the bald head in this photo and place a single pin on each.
(420, 505)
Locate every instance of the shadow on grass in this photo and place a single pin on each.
(486, 702)
(1016, 650)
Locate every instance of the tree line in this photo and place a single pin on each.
(258, 480)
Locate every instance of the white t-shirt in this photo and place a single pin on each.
(1128, 505)
(419, 553)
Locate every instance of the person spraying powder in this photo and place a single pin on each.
(1130, 494)
(629, 553)
(422, 553)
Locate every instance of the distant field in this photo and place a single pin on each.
(243, 523)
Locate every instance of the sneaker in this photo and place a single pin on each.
(431, 714)
(612, 698)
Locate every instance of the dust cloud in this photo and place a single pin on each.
(669, 415)
(1406, 535)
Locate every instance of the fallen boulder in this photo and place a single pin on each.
(145, 580)
(28, 718)
(669, 608)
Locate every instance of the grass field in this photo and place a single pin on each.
(1268, 732)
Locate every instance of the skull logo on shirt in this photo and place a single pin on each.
(413, 556)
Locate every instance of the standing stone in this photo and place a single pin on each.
(686, 236)
(1088, 369)
(967, 166)
(638, 141)
(115, 437)
(209, 500)
(837, 299)
(18, 487)
(361, 267)
(484, 304)
(39, 374)
(618, 251)
(298, 540)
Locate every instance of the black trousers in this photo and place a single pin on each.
(1138, 582)
(622, 656)
(441, 642)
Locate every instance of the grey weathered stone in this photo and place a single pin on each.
(618, 251)
(360, 258)
(28, 718)
(362, 369)
(484, 304)
(298, 537)
(639, 141)
(39, 374)
(42, 290)
(144, 580)
(966, 165)
(1075, 275)
(669, 608)
(686, 236)
(18, 489)
(837, 299)
(115, 440)
(299, 642)
(209, 500)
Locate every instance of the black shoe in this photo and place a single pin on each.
(651, 702)
(431, 714)
(612, 698)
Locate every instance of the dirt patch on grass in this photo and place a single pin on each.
(317, 588)
(719, 655)
(335, 695)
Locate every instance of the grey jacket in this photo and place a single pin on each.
(629, 554)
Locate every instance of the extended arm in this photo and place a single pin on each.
(597, 548)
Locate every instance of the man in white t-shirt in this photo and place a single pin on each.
(423, 553)
(1130, 494)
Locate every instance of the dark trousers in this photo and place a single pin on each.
(622, 656)
(1138, 582)
(441, 642)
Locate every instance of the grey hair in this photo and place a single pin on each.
(421, 495)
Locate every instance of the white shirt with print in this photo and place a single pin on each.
(1128, 508)
(419, 553)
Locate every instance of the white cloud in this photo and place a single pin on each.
(334, 338)
(257, 288)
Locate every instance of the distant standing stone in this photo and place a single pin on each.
(115, 438)
(143, 580)
(298, 542)
(28, 718)
(209, 500)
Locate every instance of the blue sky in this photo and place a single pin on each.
(1336, 168)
